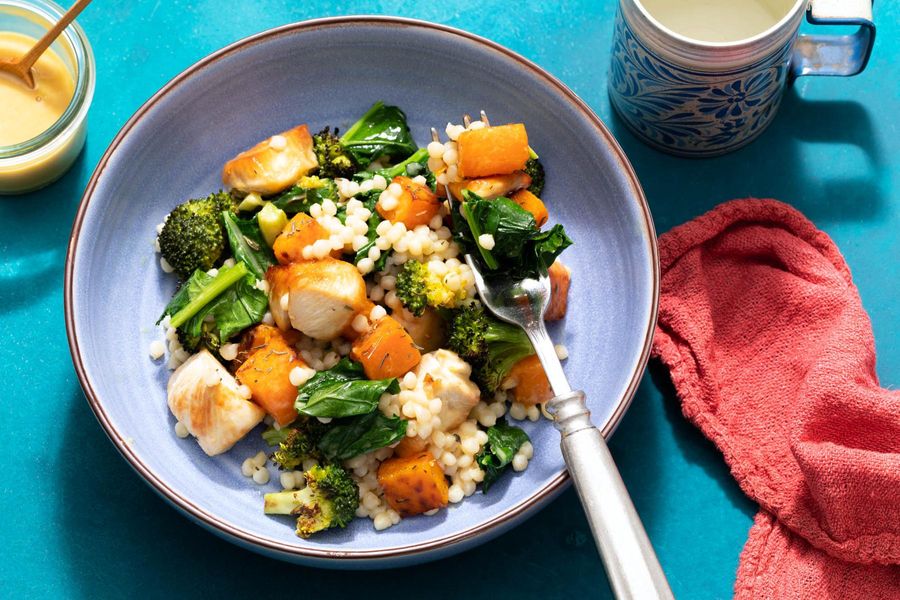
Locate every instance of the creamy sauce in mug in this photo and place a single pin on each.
(718, 20)
(26, 113)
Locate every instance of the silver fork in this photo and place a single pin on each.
(631, 564)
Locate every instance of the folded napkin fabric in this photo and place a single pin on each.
(772, 356)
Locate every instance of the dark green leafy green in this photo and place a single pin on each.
(412, 166)
(342, 391)
(520, 248)
(210, 310)
(198, 291)
(503, 442)
(357, 435)
(382, 131)
(247, 243)
(297, 198)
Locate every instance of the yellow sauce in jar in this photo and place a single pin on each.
(26, 113)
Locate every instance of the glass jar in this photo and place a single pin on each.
(43, 159)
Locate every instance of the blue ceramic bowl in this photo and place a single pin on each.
(329, 72)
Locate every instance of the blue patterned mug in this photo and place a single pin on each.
(683, 85)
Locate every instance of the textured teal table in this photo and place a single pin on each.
(76, 521)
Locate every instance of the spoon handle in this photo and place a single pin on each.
(632, 567)
(27, 61)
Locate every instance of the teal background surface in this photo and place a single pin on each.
(75, 521)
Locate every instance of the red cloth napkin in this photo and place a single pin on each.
(772, 355)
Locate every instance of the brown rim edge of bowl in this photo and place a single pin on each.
(232, 531)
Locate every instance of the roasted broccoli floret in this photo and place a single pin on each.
(535, 170)
(296, 442)
(419, 287)
(491, 346)
(193, 236)
(334, 160)
(330, 499)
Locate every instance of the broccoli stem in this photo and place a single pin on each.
(400, 168)
(285, 503)
(355, 127)
(221, 282)
(475, 227)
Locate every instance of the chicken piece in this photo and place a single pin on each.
(427, 332)
(443, 374)
(204, 397)
(267, 371)
(492, 187)
(560, 277)
(324, 296)
(279, 279)
(272, 165)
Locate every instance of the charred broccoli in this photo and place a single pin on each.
(419, 287)
(193, 236)
(330, 499)
(296, 443)
(535, 170)
(492, 347)
(334, 160)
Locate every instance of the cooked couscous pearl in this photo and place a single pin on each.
(157, 349)
(435, 150)
(518, 411)
(181, 430)
(519, 463)
(261, 475)
(228, 351)
(165, 266)
(366, 266)
(382, 521)
(260, 459)
(377, 312)
(360, 323)
(268, 319)
(562, 353)
(287, 480)
(300, 375)
(486, 241)
(247, 467)
(453, 131)
(526, 450)
(533, 413)
(379, 182)
(455, 494)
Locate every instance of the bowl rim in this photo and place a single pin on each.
(508, 517)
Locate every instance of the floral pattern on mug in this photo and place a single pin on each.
(687, 110)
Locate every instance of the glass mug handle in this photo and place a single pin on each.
(842, 55)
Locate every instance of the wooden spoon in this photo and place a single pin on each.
(22, 68)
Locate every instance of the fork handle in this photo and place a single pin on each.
(632, 567)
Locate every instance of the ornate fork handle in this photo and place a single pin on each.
(631, 564)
